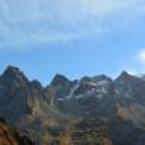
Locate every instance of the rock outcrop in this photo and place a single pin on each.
(9, 135)
(92, 110)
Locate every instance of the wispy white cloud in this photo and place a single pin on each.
(137, 66)
(30, 22)
(141, 56)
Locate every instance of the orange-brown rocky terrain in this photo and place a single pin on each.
(9, 136)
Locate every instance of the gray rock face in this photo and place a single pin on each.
(90, 95)
(119, 103)
(130, 94)
(14, 90)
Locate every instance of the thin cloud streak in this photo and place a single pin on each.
(25, 23)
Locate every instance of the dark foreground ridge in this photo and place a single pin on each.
(9, 135)
(89, 111)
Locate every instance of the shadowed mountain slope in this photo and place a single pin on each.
(91, 110)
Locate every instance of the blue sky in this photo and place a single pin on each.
(74, 38)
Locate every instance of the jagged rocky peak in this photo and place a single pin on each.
(11, 69)
(14, 73)
(128, 79)
(95, 79)
(15, 91)
(36, 84)
(84, 110)
(125, 76)
(85, 79)
(59, 80)
(102, 77)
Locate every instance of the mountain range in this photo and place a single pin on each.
(93, 110)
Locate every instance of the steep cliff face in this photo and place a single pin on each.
(86, 95)
(92, 110)
(130, 94)
(14, 94)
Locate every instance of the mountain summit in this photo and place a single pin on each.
(91, 110)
